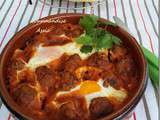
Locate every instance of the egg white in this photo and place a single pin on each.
(44, 55)
(119, 95)
(109, 91)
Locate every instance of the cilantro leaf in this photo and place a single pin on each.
(85, 40)
(88, 22)
(104, 42)
(86, 49)
(98, 34)
(116, 40)
(92, 33)
(96, 37)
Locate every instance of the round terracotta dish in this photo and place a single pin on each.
(20, 39)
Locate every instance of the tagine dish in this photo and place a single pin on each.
(73, 72)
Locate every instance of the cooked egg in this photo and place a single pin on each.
(109, 92)
(93, 89)
(44, 55)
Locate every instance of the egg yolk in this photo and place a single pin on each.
(88, 87)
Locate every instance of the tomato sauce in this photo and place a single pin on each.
(36, 90)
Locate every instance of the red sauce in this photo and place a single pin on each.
(36, 90)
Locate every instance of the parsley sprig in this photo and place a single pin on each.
(95, 38)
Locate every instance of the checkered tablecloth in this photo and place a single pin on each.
(141, 17)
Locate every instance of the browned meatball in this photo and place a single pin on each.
(27, 96)
(75, 105)
(100, 107)
(99, 60)
(13, 66)
(51, 110)
(58, 65)
(88, 73)
(18, 64)
(68, 111)
(17, 61)
(72, 63)
(68, 80)
(65, 71)
(23, 76)
(45, 77)
(111, 79)
(126, 66)
(117, 53)
(126, 71)
(26, 76)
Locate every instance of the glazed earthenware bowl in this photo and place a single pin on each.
(20, 38)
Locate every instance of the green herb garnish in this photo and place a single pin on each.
(95, 38)
(86, 49)
(85, 40)
(88, 22)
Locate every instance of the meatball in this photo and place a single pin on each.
(58, 65)
(68, 80)
(51, 110)
(68, 111)
(18, 64)
(26, 76)
(27, 96)
(88, 73)
(23, 76)
(111, 79)
(126, 71)
(73, 108)
(18, 61)
(72, 63)
(100, 107)
(126, 66)
(46, 77)
(65, 77)
(117, 53)
(99, 60)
